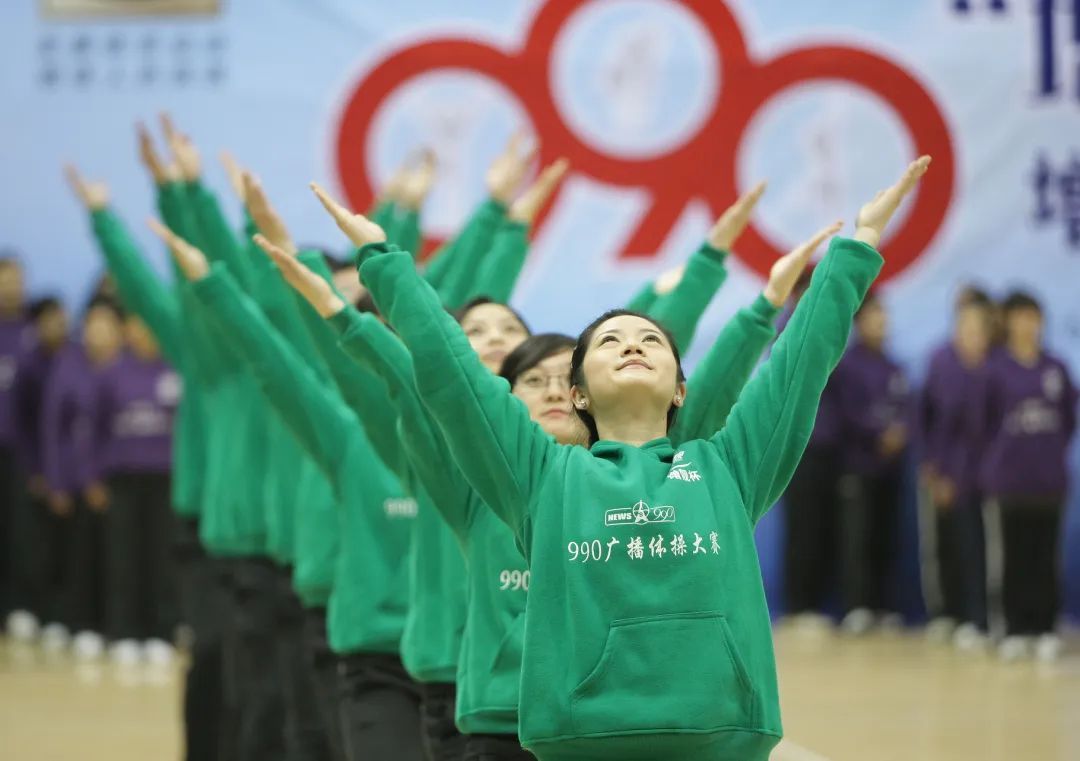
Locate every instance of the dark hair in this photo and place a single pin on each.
(1020, 300)
(461, 311)
(9, 258)
(365, 302)
(581, 348)
(972, 296)
(104, 302)
(38, 307)
(532, 351)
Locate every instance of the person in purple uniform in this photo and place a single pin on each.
(810, 511)
(954, 577)
(1024, 411)
(39, 534)
(133, 414)
(12, 337)
(873, 398)
(67, 449)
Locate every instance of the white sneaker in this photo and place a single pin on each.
(88, 646)
(858, 622)
(941, 629)
(812, 624)
(1048, 648)
(1014, 648)
(125, 653)
(55, 638)
(22, 626)
(967, 638)
(158, 652)
(891, 622)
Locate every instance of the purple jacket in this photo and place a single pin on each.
(133, 414)
(872, 394)
(67, 426)
(34, 365)
(943, 420)
(1024, 418)
(13, 340)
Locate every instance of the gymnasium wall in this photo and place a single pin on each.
(664, 109)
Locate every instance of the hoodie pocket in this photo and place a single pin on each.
(674, 672)
(504, 683)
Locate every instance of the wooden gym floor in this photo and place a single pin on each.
(883, 698)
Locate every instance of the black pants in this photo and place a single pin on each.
(1023, 539)
(495, 748)
(870, 527)
(41, 559)
(810, 509)
(140, 574)
(442, 741)
(323, 667)
(380, 708)
(306, 738)
(10, 496)
(959, 564)
(254, 698)
(204, 605)
(86, 579)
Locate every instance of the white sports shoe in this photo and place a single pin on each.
(88, 646)
(125, 652)
(22, 626)
(1014, 648)
(1048, 648)
(940, 629)
(55, 638)
(968, 638)
(158, 652)
(858, 622)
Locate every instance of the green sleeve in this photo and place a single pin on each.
(643, 300)
(681, 310)
(404, 231)
(363, 391)
(469, 251)
(498, 447)
(371, 343)
(436, 269)
(385, 215)
(770, 425)
(717, 382)
(219, 243)
(140, 287)
(501, 268)
(320, 422)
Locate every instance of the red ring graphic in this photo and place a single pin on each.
(703, 167)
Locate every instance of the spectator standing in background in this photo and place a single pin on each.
(12, 337)
(67, 448)
(39, 535)
(873, 397)
(1024, 412)
(953, 564)
(133, 414)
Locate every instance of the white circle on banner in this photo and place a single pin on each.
(825, 148)
(634, 78)
(465, 117)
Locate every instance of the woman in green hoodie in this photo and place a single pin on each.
(647, 634)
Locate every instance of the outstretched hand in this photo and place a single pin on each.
(159, 170)
(313, 288)
(734, 220)
(875, 215)
(184, 152)
(235, 173)
(508, 170)
(416, 181)
(266, 218)
(93, 195)
(358, 228)
(528, 205)
(786, 270)
(191, 261)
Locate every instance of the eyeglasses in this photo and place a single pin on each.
(538, 382)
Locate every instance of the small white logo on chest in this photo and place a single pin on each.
(682, 471)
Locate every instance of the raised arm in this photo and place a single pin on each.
(770, 425)
(680, 310)
(501, 451)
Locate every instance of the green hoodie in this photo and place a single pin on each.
(335, 440)
(633, 650)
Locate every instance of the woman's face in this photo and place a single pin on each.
(102, 334)
(545, 389)
(629, 361)
(494, 331)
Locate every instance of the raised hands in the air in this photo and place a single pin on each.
(528, 205)
(266, 218)
(357, 228)
(191, 261)
(509, 168)
(184, 152)
(160, 170)
(734, 220)
(94, 196)
(786, 270)
(875, 215)
(313, 288)
(413, 184)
